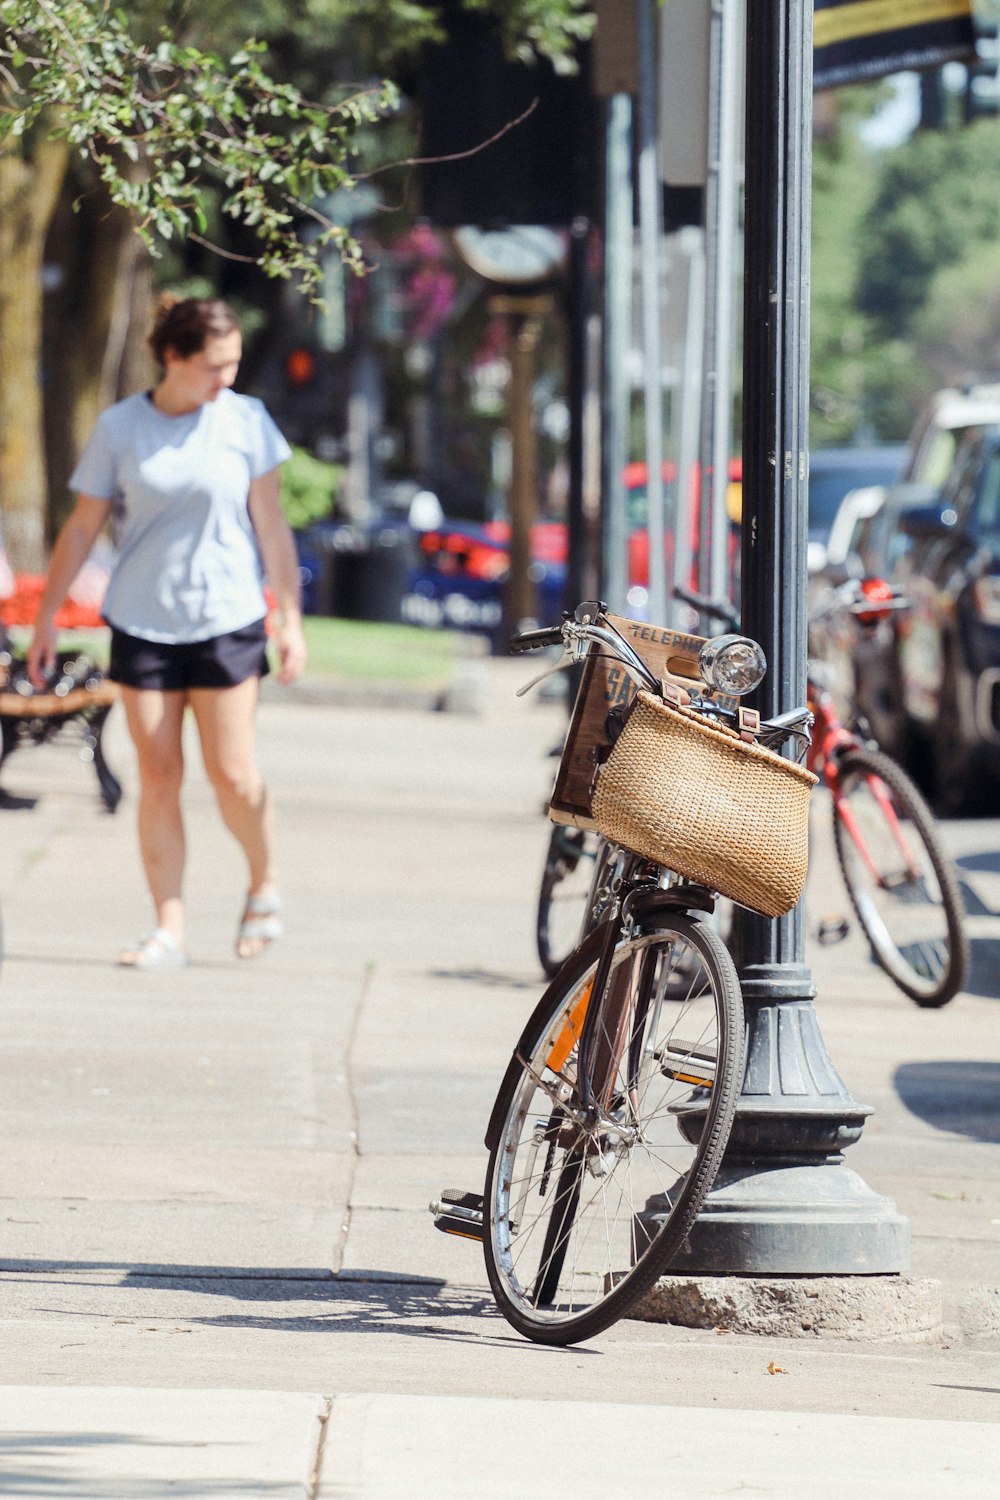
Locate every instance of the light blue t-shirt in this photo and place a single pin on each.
(188, 566)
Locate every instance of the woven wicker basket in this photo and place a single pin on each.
(692, 795)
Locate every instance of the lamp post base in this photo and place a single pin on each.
(801, 1218)
(784, 1203)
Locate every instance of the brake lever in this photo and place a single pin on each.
(558, 666)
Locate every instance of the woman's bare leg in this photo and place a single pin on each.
(155, 720)
(225, 720)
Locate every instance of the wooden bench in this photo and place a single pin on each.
(78, 701)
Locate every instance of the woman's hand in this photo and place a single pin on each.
(281, 565)
(42, 653)
(78, 535)
(292, 652)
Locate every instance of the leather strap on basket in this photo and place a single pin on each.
(748, 720)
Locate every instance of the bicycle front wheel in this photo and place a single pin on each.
(902, 884)
(585, 1208)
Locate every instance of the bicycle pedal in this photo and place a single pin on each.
(832, 930)
(459, 1213)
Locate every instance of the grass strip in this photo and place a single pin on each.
(355, 650)
(378, 652)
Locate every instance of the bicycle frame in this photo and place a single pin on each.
(590, 1018)
(831, 740)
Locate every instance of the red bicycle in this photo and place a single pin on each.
(902, 884)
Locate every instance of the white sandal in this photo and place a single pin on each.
(261, 923)
(158, 951)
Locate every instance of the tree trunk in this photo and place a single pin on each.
(95, 326)
(30, 179)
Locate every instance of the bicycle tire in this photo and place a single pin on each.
(564, 897)
(616, 1199)
(913, 919)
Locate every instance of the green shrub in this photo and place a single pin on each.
(309, 488)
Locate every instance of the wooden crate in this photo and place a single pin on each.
(605, 685)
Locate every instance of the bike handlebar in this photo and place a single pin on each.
(534, 640)
(591, 626)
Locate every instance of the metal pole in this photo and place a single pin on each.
(784, 1201)
(577, 311)
(720, 239)
(650, 244)
(617, 339)
(691, 261)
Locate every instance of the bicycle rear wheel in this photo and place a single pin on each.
(564, 898)
(902, 884)
(583, 1210)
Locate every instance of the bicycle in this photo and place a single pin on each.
(902, 884)
(615, 1110)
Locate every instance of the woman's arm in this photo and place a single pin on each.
(73, 544)
(277, 546)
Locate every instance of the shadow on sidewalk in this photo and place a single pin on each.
(28, 1459)
(954, 1095)
(984, 969)
(411, 1306)
(491, 979)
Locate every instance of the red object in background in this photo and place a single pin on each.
(638, 537)
(300, 367)
(481, 552)
(549, 539)
(464, 555)
(876, 591)
(21, 607)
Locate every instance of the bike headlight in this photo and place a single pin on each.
(732, 664)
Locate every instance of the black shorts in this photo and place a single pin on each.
(221, 662)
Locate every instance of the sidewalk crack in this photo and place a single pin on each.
(353, 1113)
(316, 1477)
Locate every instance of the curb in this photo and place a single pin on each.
(466, 691)
(342, 693)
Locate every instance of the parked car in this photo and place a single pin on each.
(942, 426)
(868, 539)
(948, 642)
(835, 473)
(862, 532)
(864, 654)
(928, 681)
(460, 570)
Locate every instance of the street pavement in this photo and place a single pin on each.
(219, 1276)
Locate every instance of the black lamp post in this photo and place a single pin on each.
(784, 1202)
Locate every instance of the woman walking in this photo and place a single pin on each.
(190, 471)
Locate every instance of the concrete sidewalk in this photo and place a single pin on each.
(219, 1275)
(115, 1444)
